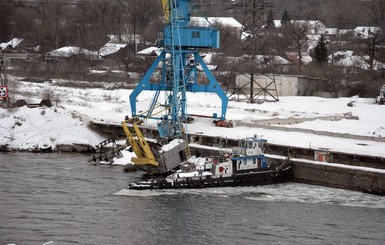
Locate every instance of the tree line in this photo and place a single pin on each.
(85, 23)
(54, 24)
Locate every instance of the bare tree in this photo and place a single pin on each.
(277, 41)
(376, 11)
(6, 14)
(144, 12)
(230, 38)
(297, 32)
(372, 44)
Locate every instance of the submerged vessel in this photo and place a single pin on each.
(246, 165)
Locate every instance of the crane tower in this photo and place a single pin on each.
(178, 61)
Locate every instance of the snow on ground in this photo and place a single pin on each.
(29, 128)
(112, 105)
(125, 158)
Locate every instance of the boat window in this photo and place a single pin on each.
(254, 161)
(245, 162)
(182, 156)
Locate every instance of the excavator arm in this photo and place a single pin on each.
(139, 145)
(166, 10)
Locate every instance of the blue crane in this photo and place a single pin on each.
(179, 60)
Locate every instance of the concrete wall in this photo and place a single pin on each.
(287, 85)
(339, 177)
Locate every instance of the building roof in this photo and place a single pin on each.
(315, 26)
(348, 59)
(312, 41)
(294, 58)
(366, 31)
(12, 43)
(275, 59)
(150, 51)
(263, 60)
(68, 51)
(125, 38)
(206, 22)
(111, 48)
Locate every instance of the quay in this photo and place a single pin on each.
(323, 167)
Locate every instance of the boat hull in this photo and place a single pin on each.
(251, 178)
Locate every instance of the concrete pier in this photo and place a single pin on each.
(358, 179)
(314, 166)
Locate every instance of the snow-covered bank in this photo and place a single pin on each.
(311, 113)
(40, 128)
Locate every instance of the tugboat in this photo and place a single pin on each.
(245, 166)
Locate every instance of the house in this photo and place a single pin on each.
(338, 38)
(12, 44)
(274, 63)
(313, 26)
(294, 58)
(208, 60)
(15, 50)
(150, 51)
(365, 32)
(335, 31)
(287, 85)
(277, 63)
(68, 52)
(111, 48)
(209, 21)
(348, 60)
(312, 41)
(126, 38)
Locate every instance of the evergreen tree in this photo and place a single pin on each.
(285, 17)
(270, 19)
(321, 51)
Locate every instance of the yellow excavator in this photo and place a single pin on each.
(154, 157)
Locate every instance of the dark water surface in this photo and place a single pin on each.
(63, 199)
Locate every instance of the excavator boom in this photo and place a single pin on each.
(139, 145)
(166, 10)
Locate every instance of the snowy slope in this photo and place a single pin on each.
(29, 128)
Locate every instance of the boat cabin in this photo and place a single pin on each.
(249, 155)
(249, 147)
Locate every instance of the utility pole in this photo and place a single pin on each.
(253, 43)
(135, 45)
(3, 82)
(1, 69)
(3, 76)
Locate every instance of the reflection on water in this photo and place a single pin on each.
(63, 199)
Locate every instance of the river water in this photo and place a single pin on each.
(61, 199)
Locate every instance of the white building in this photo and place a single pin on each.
(224, 21)
(348, 60)
(287, 85)
(313, 26)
